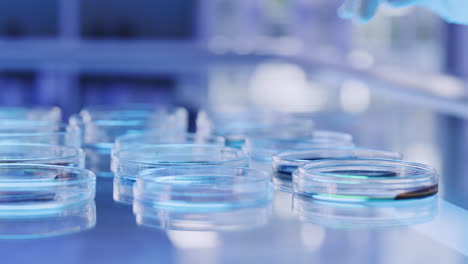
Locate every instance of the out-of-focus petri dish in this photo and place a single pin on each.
(41, 154)
(365, 215)
(49, 114)
(101, 125)
(154, 138)
(201, 188)
(233, 219)
(128, 163)
(365, 180)
(72, 219)
(261, 147)
(236, 125)
(27, 189)
(39, 132)
(285, 163)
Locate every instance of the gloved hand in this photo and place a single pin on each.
(361, 11)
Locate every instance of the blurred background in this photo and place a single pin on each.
(396, 82)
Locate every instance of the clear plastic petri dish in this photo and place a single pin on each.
(41, 154)
(73, 219)
(50, 114)
(101, 125)
(365, 180)
(154, 138)
(216, 220)
(285, 163)
(201, 188)
(128, 163)
(40, 133)
(236, 125)
(365, 215)
(27, 189)
(261, 147)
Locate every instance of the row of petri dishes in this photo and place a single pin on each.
(45, 189)
(170, 175)
(236, 159)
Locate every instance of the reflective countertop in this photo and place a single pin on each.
(434, 231)
(291, 230)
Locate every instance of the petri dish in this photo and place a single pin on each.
(39, 132)
(261, 147)
(41, 154)
(365, 215)
(236, 125)
(40, 189)
(365, 180)
(152, 138)
(50, 114)
(233, 219)
(285, 163)
(128, 163)
(101, 125)
(73, 219)
(202, 188)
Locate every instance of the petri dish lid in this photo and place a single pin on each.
(365, 179)
(284, 163)
(39, 132)
(41, 154)
(201, 188)
(43, 189)
(155, 138)
(180, 155)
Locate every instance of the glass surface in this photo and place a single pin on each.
(128, 163)
(365, 179)
(28, 189)
(285, 163)
(41, 154)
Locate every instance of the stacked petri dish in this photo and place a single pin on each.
(204, 198)
(101, 125)
(236, 124)
(357, 187)
(127, 164)
(285, 163)
(42, 180)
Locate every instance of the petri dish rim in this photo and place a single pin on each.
(145, 174)
(124, 139)
(309, 170)
(63, 129)
(78, 152)
(283, 156)
(416, 181)
(241, 156)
